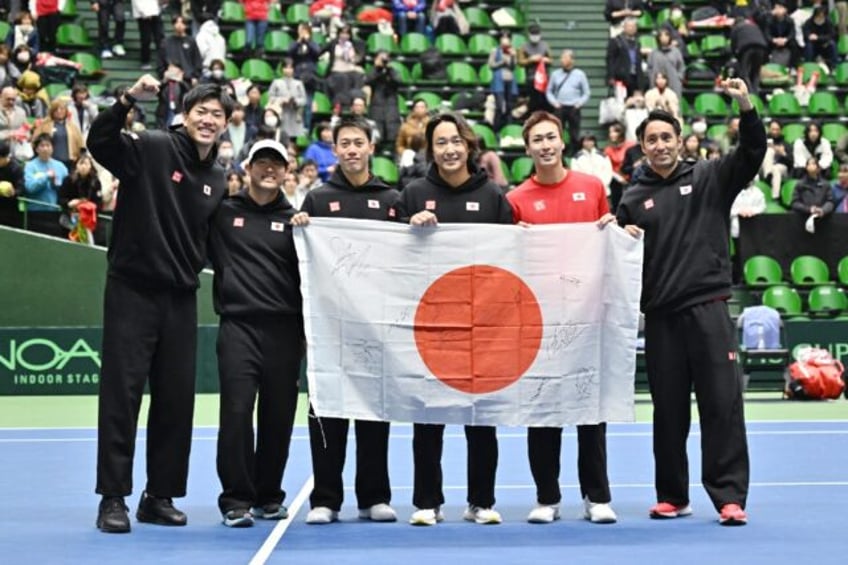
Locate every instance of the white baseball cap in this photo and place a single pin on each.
(269, 145)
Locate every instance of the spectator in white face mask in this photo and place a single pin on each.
(239, 132)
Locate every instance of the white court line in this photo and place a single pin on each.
(456, 436)
(276, 534)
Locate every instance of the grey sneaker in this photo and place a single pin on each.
(238, 518)
(271, 511)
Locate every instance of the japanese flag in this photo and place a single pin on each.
(470, 323)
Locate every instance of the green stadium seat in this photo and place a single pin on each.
(485, 74)
(645, 23)
(511, 136)
(808, 270)
(92, 66)
(434, 101)
(403, 72)
(5, 29)
(56, 89)
(791, 132)
(461, 74)
(414, 43)
(710, 104)
(322, 67)
(478, 18)
(756, 101)
(277, 42)
(521, 169)
(321, 105)
(518, 40)
(381, 42)
(257, 70)
(716, 131)
(784, 104)
(693, 50)
(69, 11)
(232, 13)
(775, 75)
(402, 104)
(275, 14)
(784, 299)
(698, 68)
(451, 45)
(488, 140)
(385, 168)
(481, 44)
(70, 36)
(787, 190)
(765, 188)
(773, 207)
(824, 103)
(827, 301)
(762, 270)
(517, 17)
(809, 68)
(237, 41)
(714, 46)
(231, 69)
(648, 42)
(662, 15)
(833, 131)
(840, 74)
(297, 13)
(842, 270)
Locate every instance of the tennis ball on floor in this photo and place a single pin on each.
(6, 189)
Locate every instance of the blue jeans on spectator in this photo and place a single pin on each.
(419, 22)
(255, 34)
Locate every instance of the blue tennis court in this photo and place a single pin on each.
(796, 507)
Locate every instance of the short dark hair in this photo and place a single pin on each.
(208, 91)
(352, 122)
(536, 118)
(308, 163)
(657, 116)
(5, 148)
(41, 137)
(465, 132)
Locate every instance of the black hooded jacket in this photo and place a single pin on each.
(686, 218)
(478, 200)
(255, 262)
(167, 197)
(374, 200)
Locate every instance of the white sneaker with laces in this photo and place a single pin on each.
(378, 513)
(119, 50)
(426, 517)
(482, 515)
(106, 54)
(322, 515)
(543, 514)
(598, 512)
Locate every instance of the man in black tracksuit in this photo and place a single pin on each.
(260, 338)
(351, 192)
(454, 191)
(170, 188)
(684, 210)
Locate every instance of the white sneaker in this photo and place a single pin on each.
(119, 50)
(543, 514)
(322, 515)
(598, 512)
(482, 515)
(426, 517)
(105, 54)
(378, 513)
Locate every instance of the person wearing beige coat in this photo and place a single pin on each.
(68, 142)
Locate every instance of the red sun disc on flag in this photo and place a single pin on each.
(478, 328)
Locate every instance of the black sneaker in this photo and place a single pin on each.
(161, 511)
(271, 511)
(113, 515)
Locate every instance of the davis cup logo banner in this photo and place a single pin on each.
(470, 323)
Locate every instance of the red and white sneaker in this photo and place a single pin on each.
(667, 510)
(732, 515)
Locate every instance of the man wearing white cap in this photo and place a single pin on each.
(260, 338)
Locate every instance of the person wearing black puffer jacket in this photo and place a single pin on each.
(454, 191)
(351, 192)
(690, 341)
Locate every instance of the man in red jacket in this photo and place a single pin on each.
(557, 195)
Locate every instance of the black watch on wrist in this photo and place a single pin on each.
(130, 98)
